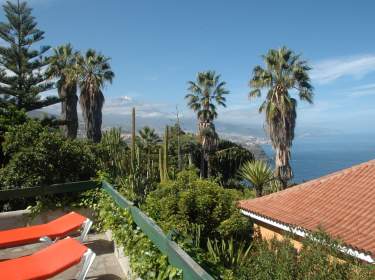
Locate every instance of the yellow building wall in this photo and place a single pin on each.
(268, 232)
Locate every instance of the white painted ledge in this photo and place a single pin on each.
(354, 253)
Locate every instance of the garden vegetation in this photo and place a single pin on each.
(188, 183)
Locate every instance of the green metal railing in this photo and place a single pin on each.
(176, 256)
(46, 190)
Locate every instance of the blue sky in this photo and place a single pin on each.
(157, 46)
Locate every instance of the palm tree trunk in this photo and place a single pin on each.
(283, 171)
(92, 104)
(69, 110)
(202, 165)
(208, 166)
(94, 126)
(258, 192)
(190, 159)
(148, 162)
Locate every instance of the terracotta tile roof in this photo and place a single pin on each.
(342, 203)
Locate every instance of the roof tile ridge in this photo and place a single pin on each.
(326, 177)
(319, 180)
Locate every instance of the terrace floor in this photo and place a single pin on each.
(105, 266)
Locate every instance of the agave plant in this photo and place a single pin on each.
(258, 174)
(228, 253)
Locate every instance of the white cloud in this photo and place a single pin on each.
(365, 90)
(123, 105)
(327, 71)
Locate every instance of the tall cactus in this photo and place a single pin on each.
(161, 165)
(166, 146)
(132, 156)
(163, 157)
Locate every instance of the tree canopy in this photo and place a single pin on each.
(284, 73)
(22, 77)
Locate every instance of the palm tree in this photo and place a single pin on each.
(94, 72)
(258, 174)
(149, 139)
(204, 93)
(285, 71)
(63, 66)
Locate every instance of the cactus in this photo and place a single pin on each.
(116, 152)
(166, 146)
(163, 157)
(161, 165)
(133, 140)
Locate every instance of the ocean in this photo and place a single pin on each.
(313, 157)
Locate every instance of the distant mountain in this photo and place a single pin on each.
(40, 114)
(187, 124)
(226, 129)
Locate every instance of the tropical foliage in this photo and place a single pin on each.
(63, 66)
(149, 140)
(40, 156)
(114, 155)
(9, 118)
(94, 71)
(146, 261)
(284, 73)
(227, 160)
(190, 200)
(279, 260)
(158, 173)
(204, 95)
(258, 174)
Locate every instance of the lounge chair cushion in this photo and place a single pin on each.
(45, 263)
(59, 227)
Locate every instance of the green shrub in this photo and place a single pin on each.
(114, 153)
(320, 258)
(9, 117)
(227, 160)
(278, 260)
(145, 258)
(41, 156)
(190, 200)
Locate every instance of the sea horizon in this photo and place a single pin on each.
(316, 156)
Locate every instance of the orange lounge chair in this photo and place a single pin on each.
(49, 262)
(54, 230)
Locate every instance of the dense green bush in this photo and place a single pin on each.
(8, 118)
(190, 200)
(42, 156)
(114, 153)
(199, 214)
(317, 260)
(227, 160)
(146, 260)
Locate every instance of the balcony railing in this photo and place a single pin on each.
(176, 256)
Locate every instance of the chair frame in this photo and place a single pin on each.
(85, 228)
(88, 259)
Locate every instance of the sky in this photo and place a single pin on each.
(157, 46)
